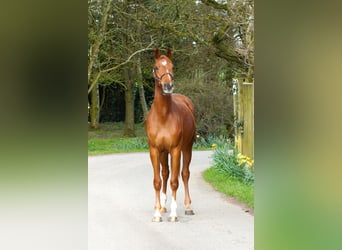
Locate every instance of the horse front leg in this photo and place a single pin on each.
(175, 164)
(165, 174)
(154, 155)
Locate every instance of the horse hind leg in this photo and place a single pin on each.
(165, 174)
(187, 154)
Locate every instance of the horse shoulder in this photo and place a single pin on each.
(184, 100)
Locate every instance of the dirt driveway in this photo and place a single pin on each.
(120, 209)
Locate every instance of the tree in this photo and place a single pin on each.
(140, 79)
(109, 21)
(212, 42)
(97, 39)
(234, 38)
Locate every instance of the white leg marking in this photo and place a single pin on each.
(173, 208)
(163, 199)
(156, 213)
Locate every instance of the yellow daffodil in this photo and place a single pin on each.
(243, 159)
(240, 156)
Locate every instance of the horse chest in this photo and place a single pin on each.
(165, 135)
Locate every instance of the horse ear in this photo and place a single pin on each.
(156, 53)
(168, 53)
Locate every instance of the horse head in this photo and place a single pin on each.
(163, 71)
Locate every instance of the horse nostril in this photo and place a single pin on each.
(168, 88)
(169, 85)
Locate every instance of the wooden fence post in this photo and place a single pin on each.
(244, 118)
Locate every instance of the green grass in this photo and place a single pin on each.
(117, 145)
(109, 139)
(114, 130)
(230, 186)
(230, 173)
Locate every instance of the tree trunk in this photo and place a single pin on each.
(93, 87)
(129, 101)
(94, 107)
(139, 71)
(129, 82)
(141, 89)
(95, 49)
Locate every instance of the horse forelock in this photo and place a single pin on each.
(164, 60)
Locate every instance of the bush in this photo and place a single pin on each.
(213, 105)
(210, 142)
(228, 162)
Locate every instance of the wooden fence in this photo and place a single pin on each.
(243, 96)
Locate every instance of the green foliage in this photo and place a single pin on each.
(213, 105)
(209, 142)
(229, 163)
(210, 40)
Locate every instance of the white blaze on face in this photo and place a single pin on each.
(164, 62)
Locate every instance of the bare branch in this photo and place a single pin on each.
(94, 82)
(215, 4)
(129, 58)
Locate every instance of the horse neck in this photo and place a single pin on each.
(162, 103)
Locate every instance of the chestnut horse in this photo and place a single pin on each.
(170, 128)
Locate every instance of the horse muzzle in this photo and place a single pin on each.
(168, 88)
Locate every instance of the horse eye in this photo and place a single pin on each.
(155, 68)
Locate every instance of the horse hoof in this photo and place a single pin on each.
(173, 219)
(163, 210)
(189, 212)
(157, 219)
